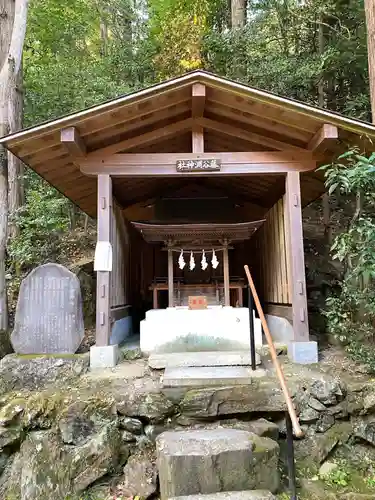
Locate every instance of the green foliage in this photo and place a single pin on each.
(338, 478)
(42, 220)
(351, 314)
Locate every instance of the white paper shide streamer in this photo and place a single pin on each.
(214, 261)
(192, 261)
(204, 262)
(181, 261)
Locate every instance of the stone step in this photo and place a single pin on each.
(159, 361)
(231, 495)
(202, 376)
(217, 460)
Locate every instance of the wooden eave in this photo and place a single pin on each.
(234, 118)
(188, 233)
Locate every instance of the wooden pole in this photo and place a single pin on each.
(226, 275)
(170, 278)
(280, 375)
(103, 280)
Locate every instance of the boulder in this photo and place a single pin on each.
(11, 411)
(132, 425)
(40, 372)
(326, 469)
(142, 398)
(46, 468)
(140, 476)
(364, 428)
(324, 423)
(9, 436)
(311, 451)
(327, 390)
(215, 461)
(261, 396)
(369, 402)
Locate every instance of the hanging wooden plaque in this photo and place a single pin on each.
(209, 165)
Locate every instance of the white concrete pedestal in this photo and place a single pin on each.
(179, 329)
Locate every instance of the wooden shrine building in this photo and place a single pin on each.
(194, 163)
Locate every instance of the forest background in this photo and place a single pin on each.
(81, 52)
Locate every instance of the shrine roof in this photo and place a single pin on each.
(201, 233)
(158, 119)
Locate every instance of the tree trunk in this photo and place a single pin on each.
(321, 51)
(15, 166)
(13, 15)
(370, 24)
(238, 8)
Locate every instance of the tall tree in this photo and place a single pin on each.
(12, 28)
(370, 24)
(238, 8)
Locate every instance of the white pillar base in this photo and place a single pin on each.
(105, 356)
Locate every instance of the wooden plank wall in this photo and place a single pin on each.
(120, 256)
(270, 255)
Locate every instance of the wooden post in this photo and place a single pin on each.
(103, 279)
(226, 275)
(170, 278)
(296, 258)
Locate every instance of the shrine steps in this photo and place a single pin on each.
(177, 381)
(160, 361)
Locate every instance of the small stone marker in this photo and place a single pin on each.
(49, 317)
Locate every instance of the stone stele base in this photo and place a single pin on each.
(303, 353)
(103, 356)
(179, 329)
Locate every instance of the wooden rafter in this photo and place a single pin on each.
(73, 142)
(246, 135)
(325, 137)
(148, 137)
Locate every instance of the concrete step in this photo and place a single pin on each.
(217, 460)
(159, 361)
(232, 495)
(202, 376)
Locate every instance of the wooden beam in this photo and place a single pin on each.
(103, 280)
(198, 99)
(226, 275)
(296, 259)
(73, 142)
(325, 136)
(247, 135)
(144, 139)
(170, 279)
(164, 164)
(197, 139)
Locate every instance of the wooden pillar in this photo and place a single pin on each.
(170, 279)
(296, 258)
(103, 278)
(226, 275)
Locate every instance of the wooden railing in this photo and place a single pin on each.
(279, 371)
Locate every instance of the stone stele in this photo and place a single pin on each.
(49, 317)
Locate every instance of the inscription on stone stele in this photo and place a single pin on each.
(49, 316)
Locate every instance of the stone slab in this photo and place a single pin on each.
(210, 376)
(213, 461)
(280, 328)
(160, 361)
(49, 315)
(103, 356)
(304, 353)
(232, 495)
